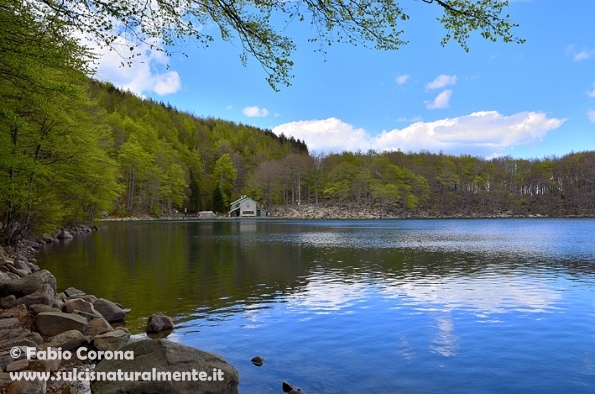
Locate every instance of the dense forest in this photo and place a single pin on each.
(72, 149)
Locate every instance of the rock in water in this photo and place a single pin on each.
(168, 357)
(258, 361)
(287, 387)
(158, 322)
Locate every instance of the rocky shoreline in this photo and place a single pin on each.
(36, 320)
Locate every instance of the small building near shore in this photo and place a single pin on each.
(206, 214)
(245, 207)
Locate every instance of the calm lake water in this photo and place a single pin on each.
(395, 306)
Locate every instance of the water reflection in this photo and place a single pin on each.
(377, 306)
(481, 295)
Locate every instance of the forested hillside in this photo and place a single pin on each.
(72, 148)
(427, 184)
(170, 161)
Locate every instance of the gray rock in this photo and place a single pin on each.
(78, 304)
(97, 326)
(4, 277)
(8, 301)
(54, 323)
(111, 341)
(58, 303)
(45, 365)
(167, 356)
(88, 316)
(64, 235)
(110, 311)
(22, 265)
(89, 297)
(18, 365)
(71, 292)
(158, 322)
(9, 322)
(23, 341)
(28, 285)
(39, 308)
(17, 333)
(66, 340)
(47, 238)
(19, 272)
(44, 296)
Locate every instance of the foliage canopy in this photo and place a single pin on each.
(260, 24)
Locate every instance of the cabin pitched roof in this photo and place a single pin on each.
(241, 199)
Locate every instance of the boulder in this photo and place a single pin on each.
(39, 308)
(43, 296)
(28, 284)
(66, 340)
(54, 323)
(78, 304)
(17, 365)
(168, 357)
(22, 265)
(21, 273)
(8, 301)
(158, 322)
(4, 277)
(29, 341)
(9, 322)
(47, 238)
(64, 235)
(110, 311)
(45, 365)
(111, 341)
(97, 326)
(71, 292)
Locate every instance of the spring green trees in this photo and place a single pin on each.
(53, 152)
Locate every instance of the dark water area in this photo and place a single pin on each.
(385, 306)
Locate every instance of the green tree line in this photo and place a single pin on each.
(429, 184)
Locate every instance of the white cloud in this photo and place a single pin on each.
(592, 92)
(329, 135)
(583, 54)
(255, 112)
(591, 115)
(402, 79)
(442, 81)
(441, 101)
(486, 133)
(147, 73)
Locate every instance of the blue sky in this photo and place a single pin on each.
(531, 100)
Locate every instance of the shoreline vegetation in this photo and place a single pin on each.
(140, 158)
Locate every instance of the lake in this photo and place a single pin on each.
(345, 306)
